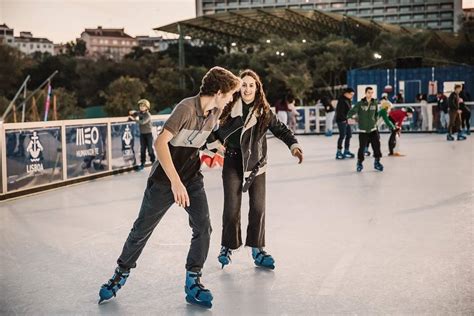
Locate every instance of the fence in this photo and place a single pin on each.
(38, 155)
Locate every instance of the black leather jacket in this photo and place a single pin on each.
(253, 139)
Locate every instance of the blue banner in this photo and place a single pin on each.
(34, 157)
(125, 144)
(86, 149)
(300, 121)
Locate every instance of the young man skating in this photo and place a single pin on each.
(176, 178)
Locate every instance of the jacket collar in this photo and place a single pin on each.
(237, 110)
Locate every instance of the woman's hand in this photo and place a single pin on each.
(296, 152)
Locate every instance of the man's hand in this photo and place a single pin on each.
(351, 121)
(460, 111)
(296, 152)
(180, 194)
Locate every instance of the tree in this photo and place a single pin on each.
(66, 105)
(122, 95)
(137, 53)
(78, 48)
(12, 64)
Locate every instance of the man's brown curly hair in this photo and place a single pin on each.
(218, 78)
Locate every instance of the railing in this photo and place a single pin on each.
(312, 119)
(38, 155)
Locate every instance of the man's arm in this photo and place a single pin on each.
(164, 157)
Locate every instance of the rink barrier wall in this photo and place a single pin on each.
(37, 156)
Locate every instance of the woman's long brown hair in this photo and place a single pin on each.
(261, 105)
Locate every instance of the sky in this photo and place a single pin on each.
(64, 20)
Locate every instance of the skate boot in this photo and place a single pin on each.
(339, 155)
(449, 137)
(348, 154)
(262, 259)
(359, 166)
(224, 256)
(196, 293)
(110, 289)
(377, 165)
(461, 136)
(367, 152)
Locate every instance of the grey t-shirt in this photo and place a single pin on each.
(190, 128)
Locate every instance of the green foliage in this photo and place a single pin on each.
(66, 105)
(122, 95)
(303, 69)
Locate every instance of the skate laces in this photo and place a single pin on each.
(260, 253)
(115, 280)
(226, 252)
(197, 281)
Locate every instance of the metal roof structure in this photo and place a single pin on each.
(251, 26)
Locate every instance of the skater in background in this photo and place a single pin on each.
(397, 116)
(176, 178)
(399, 98)
(464, 97)
(281, 109)
(243, 128)
(329, 109)
(344, 104)
(143, 118)
(367, 114)
(442, 101)
(292, 113)
(454, 115)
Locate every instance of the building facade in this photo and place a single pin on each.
(442, 15)
(28, 44)
(6, 35)
(109, 43)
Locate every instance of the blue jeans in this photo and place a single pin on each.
(345, 132)
(158, 198)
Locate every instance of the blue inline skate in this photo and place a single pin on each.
(196, 293)
(262, 259)
(224, 256)
(110, 289)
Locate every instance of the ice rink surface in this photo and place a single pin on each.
(397, 242)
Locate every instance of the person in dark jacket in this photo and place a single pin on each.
(455, 114)
(345, 132)
(329, 111)
(466, 111)
(443, 111)
(243, 128)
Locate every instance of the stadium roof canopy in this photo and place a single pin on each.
(251, 26)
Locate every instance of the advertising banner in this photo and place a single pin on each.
(125, 144)
(34, 157)
(86, 149)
